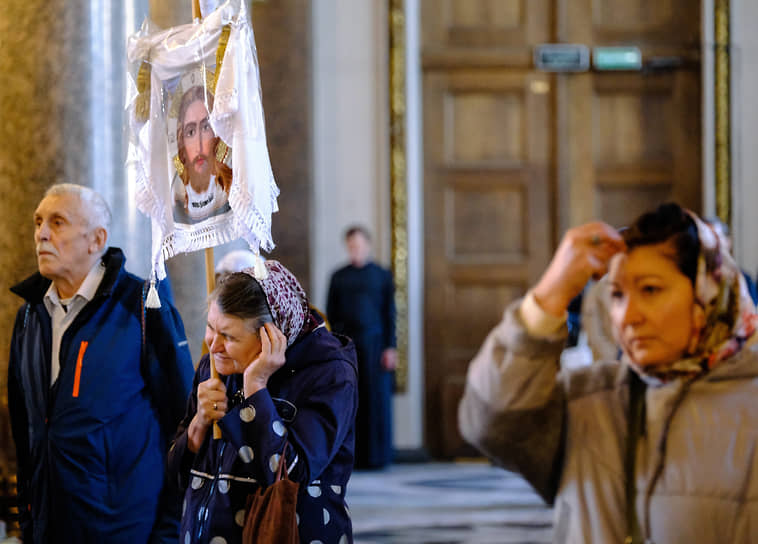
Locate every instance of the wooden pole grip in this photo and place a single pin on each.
(210, 281)
(210, 278)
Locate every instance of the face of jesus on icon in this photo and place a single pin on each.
(197, 139)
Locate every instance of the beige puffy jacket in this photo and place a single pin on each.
(697, 464)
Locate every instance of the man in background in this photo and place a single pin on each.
(361, 305)
(97, 384)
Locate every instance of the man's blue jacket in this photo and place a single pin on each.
(91, 448)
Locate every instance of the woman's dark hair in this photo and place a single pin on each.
(239, 295)
(668, 223)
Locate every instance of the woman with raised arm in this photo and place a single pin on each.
(660, 447)
(283, 377)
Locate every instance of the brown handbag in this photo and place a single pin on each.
(271, 516)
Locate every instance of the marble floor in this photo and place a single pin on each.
(442, 503)
(446, 503)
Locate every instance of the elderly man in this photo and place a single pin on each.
(96, 385)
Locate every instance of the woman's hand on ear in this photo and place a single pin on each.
(270, 359)
(584, 253)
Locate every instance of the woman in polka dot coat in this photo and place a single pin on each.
(282, 377)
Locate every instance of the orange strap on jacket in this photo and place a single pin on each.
(78, 375)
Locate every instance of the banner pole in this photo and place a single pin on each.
(210, 282)
(210, 279)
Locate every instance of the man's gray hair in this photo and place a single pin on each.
(94, 206)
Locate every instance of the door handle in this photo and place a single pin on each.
(561, 57)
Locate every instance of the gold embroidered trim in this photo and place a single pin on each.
(223, 40)
(222, 150)
(178, 165)
(142, 105)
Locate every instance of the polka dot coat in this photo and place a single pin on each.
(310, 402)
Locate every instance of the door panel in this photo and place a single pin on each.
(470, 24)
(487, 149)
(628, 22)
(632, 16)
(478, 33)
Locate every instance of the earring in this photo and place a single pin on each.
(179, 165)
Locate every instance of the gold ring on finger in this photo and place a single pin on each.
(215, 406)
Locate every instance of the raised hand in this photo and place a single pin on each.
(584, 253)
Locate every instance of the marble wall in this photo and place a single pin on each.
(43, 137)
(283, 38)
(351, 133)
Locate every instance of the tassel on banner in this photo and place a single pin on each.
(152, 300)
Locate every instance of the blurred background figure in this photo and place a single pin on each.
(235, 261)
(722, 229)
(361, 305)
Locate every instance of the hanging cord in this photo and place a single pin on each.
(662, 446)
(635, 429)
(143, 317)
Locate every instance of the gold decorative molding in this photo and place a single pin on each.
(398, 184)
(722, 75)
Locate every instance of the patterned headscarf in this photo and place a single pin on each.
(730, 315)
(286, 299)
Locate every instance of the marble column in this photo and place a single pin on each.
(285, 53)
(61, 106)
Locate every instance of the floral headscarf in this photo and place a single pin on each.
(286, 299)
(730, 315)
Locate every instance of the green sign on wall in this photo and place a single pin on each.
(617, 58)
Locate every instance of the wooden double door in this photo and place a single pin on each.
(513, 156)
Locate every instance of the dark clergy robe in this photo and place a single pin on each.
(361, 305)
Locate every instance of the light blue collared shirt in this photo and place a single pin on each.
(63, 312)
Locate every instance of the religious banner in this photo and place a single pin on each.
(197, 141)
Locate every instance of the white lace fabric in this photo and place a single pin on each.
(180, 58)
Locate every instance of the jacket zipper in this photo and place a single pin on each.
(203, 516)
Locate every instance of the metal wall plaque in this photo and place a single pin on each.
(562, 57)
(617, 58)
